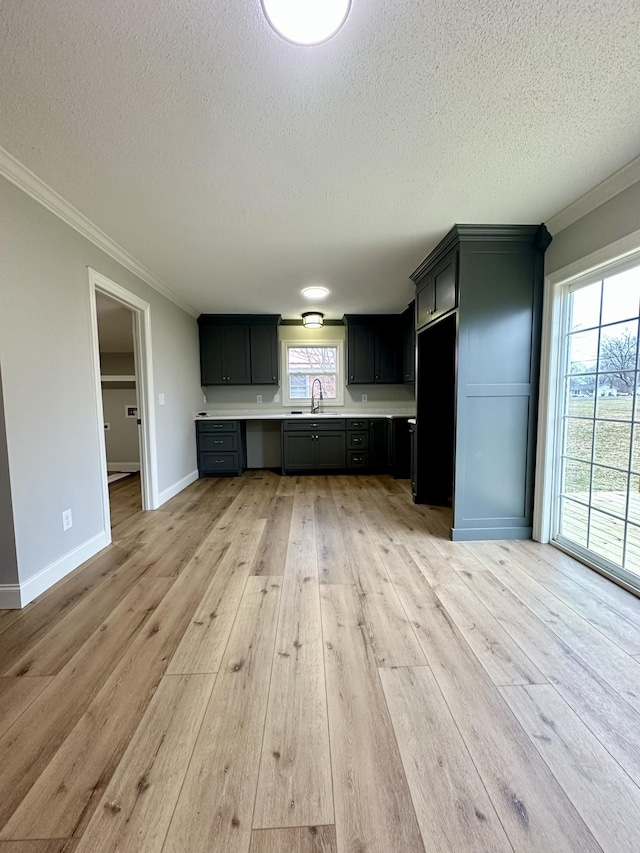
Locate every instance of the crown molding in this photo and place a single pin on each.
(608, 189)
(13, 170)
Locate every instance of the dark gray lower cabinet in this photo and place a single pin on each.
(221, 448)
(379, 440)
(313, 450)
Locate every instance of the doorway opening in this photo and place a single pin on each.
(119, 406)
(436, 374)
(121, 343)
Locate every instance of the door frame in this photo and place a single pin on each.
(624, 253)
(141, 310)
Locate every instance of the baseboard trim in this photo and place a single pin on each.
(174, 490)
(125, 467)
(471, 534)
(36, 585)
(10, 596)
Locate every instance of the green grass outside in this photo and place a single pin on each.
(612, 443)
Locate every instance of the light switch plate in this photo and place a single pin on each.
(161, 399)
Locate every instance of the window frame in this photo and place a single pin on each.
(608, 261)
(289, 402)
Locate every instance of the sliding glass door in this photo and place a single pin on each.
(597, 506)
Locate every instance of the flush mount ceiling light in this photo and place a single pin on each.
(313, 320)
(315, 292)
(306, 22)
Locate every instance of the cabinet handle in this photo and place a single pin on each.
(218, 461)
(273, 378)
(377, 377)
(351, 377)
(218, 442)
(357, 441)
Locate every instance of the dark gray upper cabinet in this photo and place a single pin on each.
(239, 349)
(264, 355)
(437, 290)
(409, 344)
(479, 315)
(361, 345)
(374, 344)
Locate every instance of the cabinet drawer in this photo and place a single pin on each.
(307, 425)
(357, 424)
(357, 459)
(358, 440)
(216, 442)
(217, 426)
(213, 462)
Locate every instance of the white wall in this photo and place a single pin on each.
(121, 439)
(52, 437)
(610, 222)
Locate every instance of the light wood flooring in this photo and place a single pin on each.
(274, 665)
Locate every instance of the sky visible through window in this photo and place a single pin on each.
(614, 304)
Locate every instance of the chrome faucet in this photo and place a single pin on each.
(315, 406)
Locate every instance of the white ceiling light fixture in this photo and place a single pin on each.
(315, 292)
(306, 22)
(313, 320)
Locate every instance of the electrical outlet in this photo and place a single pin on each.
(107, 426)
(364, 398)
(276, 398)
(161, 399)
(67, 520)
(258, 398)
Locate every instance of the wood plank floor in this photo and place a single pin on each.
(309, 665)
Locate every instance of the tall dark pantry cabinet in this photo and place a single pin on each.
(478, 325)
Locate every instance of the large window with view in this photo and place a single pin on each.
(310, 368)
(597, 511)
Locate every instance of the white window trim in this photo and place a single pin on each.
(612, 259)
(340, 373)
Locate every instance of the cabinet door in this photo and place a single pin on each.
(387, 353)
(361, 355)
(264, 355)
(298, 451)
(444, 279)
(379, 444)
(211, 355)
(425, 303)
(330, 450)
(237, 355)
(409, 347)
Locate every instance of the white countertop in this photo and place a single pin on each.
(285, 416)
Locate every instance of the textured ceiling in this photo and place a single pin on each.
(240, 168)
(115, 325)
